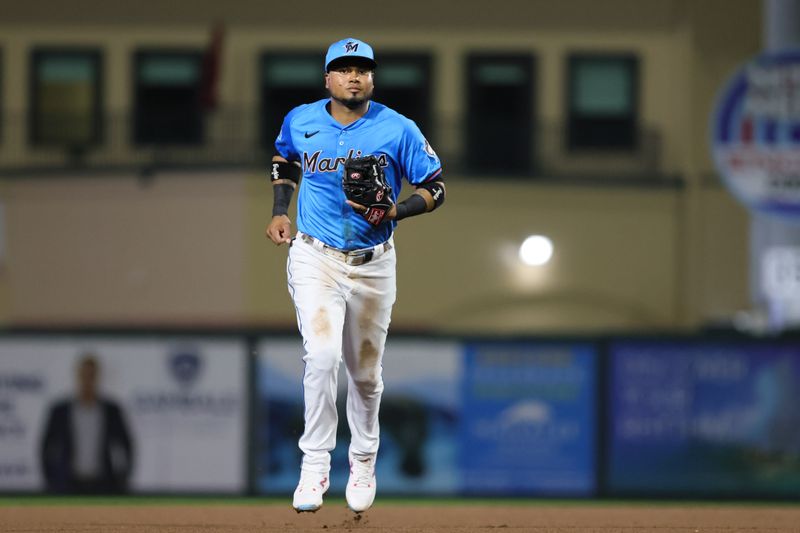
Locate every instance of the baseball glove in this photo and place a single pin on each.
(365, 183)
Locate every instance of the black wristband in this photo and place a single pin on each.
(411, 206)
(281, 199)
(282, 170)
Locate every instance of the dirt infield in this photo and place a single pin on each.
(398, 517)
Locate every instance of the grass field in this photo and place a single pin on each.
(267, 515)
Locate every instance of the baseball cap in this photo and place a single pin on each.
(347, 48)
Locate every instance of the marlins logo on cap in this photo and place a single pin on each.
(350, 48)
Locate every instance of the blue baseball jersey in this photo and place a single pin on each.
(311, 136)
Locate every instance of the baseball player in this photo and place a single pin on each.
(351, 154)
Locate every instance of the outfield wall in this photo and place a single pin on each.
(551, 417)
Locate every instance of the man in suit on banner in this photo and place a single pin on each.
(86, 447)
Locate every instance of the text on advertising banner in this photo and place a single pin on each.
(528, 423)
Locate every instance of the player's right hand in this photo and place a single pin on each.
(279, 230)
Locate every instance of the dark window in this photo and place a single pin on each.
(287, 80)
(603, 100)
(500, 96)
(65, 97)
(403, 82)
(167, 97)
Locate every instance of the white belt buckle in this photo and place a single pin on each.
(334, 253)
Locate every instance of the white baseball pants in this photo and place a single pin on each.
(342, 310)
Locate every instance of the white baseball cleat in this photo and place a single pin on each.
(309, 491)
(360, 492)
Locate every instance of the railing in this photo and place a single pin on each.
(237, 138)
(118, 141)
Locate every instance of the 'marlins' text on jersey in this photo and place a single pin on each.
(312, 163)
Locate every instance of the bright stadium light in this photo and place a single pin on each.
(536, 250)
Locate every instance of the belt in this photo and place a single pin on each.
(351, 257)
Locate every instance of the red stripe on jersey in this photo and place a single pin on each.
(432, 176)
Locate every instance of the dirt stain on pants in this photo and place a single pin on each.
(321, 324)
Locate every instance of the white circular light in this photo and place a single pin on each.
(536, 250)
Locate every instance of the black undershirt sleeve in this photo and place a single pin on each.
(282, 196)
(411, 206)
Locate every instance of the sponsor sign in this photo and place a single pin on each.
(528, 423)
(755, 133)
(184, 400)
(704, 418)
(781, 273)
(419, 418)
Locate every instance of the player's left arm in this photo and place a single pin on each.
(428, 196)
(423, 169)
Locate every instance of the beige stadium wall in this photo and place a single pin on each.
(113, 250)
(615, 265)
(717, 245)
(188, 249)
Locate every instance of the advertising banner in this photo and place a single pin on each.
(755, 133)
(182, 399)
(419, 418)
(528, 423)
(704, 418)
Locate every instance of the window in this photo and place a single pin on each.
(167, 105)
(602, 102)
(66, 97)
(500, 96)
(287, 80)
(403, 82)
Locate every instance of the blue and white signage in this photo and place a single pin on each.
(184, 400)
(755, 133)
(529, 418)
